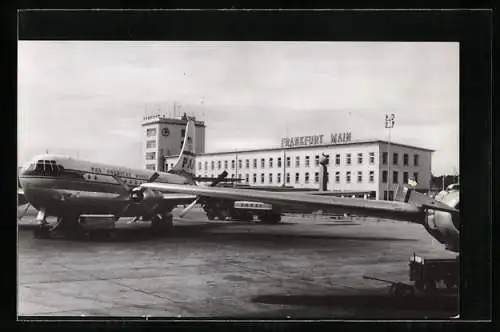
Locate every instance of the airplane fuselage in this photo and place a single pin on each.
(62, 184)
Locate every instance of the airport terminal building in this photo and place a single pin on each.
(370, 168)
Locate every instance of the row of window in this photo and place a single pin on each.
(307, 177)
(395, 157)
(271, 162)
(337, 178)
(395, 177)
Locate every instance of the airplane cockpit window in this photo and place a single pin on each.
(46, 168)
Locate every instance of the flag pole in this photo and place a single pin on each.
(389, 124)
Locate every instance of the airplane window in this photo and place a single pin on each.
(39, 167)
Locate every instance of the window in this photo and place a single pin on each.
(183, 133)
(239, 176)
(306, 179)
(372, 157)
(206, 165)
(150, 155)
(255, 163)
(270, 162)
(288, 162)
(240, 163)
(394, 158)
(151, 132)
(297, 161)
(261, 177)
(247, 177)
(384, 158)
(151, 144)
(279, 178)
(316, 177)
(226, 163)
(348, 177)
(348, 159)
(247, 163)
(395, 177)
(405, 159)
(405, 177)
(219, 164)
(171, 166)
(279, 161)
(415, 177)
(297, 177)
(287, 177)
(254, 178)
(262, 163)
(360, 176)
(212, 176)
(360, 158)
(307, 161)
(212, 165)
(372, 176)
(415, 160)
(337, 177)
(150, 166)
(199, 165)
(232, 176)
(232, 164)
(316, 160)
(337, 159)
(384, 176)
(270, 177)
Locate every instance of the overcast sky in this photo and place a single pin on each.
(87, 99)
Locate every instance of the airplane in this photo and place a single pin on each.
(69, 188)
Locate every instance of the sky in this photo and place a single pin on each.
(87, 98)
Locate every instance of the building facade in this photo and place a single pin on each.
(163, 137)
(374, 167)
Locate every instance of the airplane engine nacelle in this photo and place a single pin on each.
(140, 195)
(444, 226)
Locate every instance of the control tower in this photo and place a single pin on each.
(163, 137)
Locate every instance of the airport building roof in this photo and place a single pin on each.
(357, 142)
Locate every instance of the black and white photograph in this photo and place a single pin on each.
(238, 179)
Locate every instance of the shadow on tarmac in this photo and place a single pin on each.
(373, 306)
(208, 232)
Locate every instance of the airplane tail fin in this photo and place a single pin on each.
(185, 164)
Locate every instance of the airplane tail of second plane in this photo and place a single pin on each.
(185, 164)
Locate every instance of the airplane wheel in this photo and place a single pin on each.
(162, 226)
(42, 232)
(271, 218)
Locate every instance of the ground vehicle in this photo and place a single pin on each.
(224, 209)
(428, 273)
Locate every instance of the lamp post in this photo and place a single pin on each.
(389, 124)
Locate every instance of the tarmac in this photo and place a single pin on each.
(306, 267)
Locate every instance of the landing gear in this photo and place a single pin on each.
(43, 229)
(271, 218)
(67, 226)
(162, 225)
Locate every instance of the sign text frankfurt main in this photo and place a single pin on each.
(335, 138)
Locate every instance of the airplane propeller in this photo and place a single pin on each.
(136, 195)
(219, 178)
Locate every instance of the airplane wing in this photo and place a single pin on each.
(374, 208)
